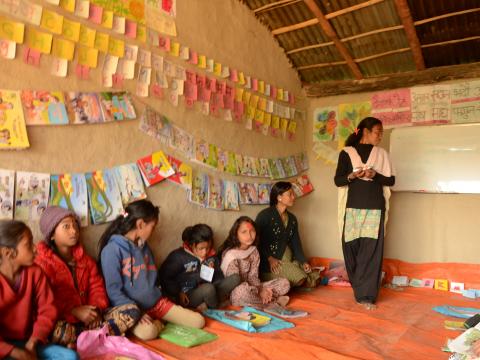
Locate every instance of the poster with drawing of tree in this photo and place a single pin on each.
(349, 116)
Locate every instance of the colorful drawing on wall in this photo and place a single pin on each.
(393, 107)
(302, 186)
(7, 188)
(288, 164)
(349, 116)
(264, 168)
(104, 196)
(85, 108)
(31, 195)
(117, 106)
(276, 169)
(264, 193)
(155, 168)
(183, 142)
(324, 123)
(230, 197)
(215, 193)
(69, 191)
(156, 125)
(199, 193)
(44, 107)
(13, 132)
(130, 183)
(465, 102)
(250, 166)
(248, 193)
(183, 172)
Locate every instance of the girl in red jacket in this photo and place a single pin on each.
(27, 310)
(78, 287)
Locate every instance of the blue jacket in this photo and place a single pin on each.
(130, 273)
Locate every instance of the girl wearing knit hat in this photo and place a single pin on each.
(78, 287)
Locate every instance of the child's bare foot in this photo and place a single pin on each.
(283, 300)
(202, 307)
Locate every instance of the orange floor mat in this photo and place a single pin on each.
(404, 326)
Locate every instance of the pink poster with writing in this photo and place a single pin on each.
(393, 107)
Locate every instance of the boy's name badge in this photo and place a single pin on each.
(206, 273)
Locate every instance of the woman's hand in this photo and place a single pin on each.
(184, 300)
(307, 268)
(370, 173)
(146, 319)
(275, 264)
(266, 294)
(23, 354)
(85, 313)
(356, 174)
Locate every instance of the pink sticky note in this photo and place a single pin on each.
(164, 43)
(254, 84)
(31, 56)
(273, 92)
(82, 72)
(157, 91)
(96, 13)
(291, 98)
(131, 29)
(234, 75)
(117, 80)
(167, 5)
(193, 57)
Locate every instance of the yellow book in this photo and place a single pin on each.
(13, 132)
(441, 284)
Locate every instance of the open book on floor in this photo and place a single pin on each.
(256, 319)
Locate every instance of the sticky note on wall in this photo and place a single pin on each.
(39, 40)
(63, 49)
(11, 30)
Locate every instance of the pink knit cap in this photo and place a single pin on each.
(51, 217)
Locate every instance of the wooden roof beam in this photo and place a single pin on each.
(274, 5)
(330, 32)
(444, 16)
(297, 26)
(407, 21)
(352, 8)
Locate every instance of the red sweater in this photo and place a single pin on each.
(87, 289)
(29, 312)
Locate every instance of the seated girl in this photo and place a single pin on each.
(78, 287)
(27, 308)
(181, 273)
(130, 272)
(240, 256)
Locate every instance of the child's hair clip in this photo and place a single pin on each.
(125, 214)
(356, 130)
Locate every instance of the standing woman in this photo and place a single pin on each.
(281, 254)
(364, 176)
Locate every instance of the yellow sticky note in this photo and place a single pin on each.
(101, 42)
(261, 86)
(175, 49)
(279, 94)
(217, 69)
(116, 47)
(142, 33)
(246, 97)
(107, 19)
(441, 284)
(51, 21)
(241, 78)
(63, 49)
(292, 127)
(68, 5)
(276, 122)
(250, 112)
(202, 61)
(267, 119)
(283, 124)
(71, 30)
(87, 36)
(259, 116)
(87, 56)
(254, 100)
(11, 30)
(39, 40)
(238, 94)
(262, 104)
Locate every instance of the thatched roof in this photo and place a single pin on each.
(334, 42)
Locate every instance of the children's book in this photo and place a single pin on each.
(200, 186)
(104, 196)
(212, 159)
(31, 195)
(264, 170)
(400, 280)
(69, 191)
(441, 284)
(276, 169)
(283, 312)
(226, 161)
(44, 107)
(130, 183)
(155, 168)
(183, 142)
(201, 151)
(428, 283)
(248, 193)
(454, 325)
(288, 164)
(13, 132)
(215, 193)
(186, 336)
(117, 106)
(302, 186)
(301, 162)
(264, 193)
(249, 168)
(7, 188)
(239, 163)
(156, 125)
(256, 319)
(415, 283)
(230, 197)
(84, 107)
(183, 172)
(463, 344)
(457, 287)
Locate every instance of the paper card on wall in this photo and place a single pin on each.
(259, 116)
(13, 122)
(63, 49)
(157, 62)
(193, 57)
(238, 110)
(11, 30)
(254, 84)
(119, 24)
(144, 75)
(23, 10)
(142, 33)
(82, 72)
(184, 52)
(217, 68)
(349, 116)
(324, 123)
(291, 99)
(441, 284)
(110, 64)
(96, 13)
(157, 91)
(215, 201)
(234, 75)
(279, 94)
(7, 192)
(101, 42)
(82, 8)
(177, 85)
(144, 58)
(8, 49)
(68, 5)
(202, 61)
(238, 94)
(175, 49)
(392, 107)
(241, 78)
(38, 40)
(246, 97)
(87, 56)
(262, 104)
(275, 126)
(267, 121)
(291, 130)
(225, 74)
(248, 82)
(164, 43)
(285, 95)
(116, 47)
(161, 79)
(130, 29)
(180, 72)
(209, 65)
(53, 2)
(273, 92)
(130, 52)
(107, 19)
(31, 56)
(465, 101)
(253, 101)
(457, 287)
(117, 81)
(283, 127)
(141, 89)
(267, 89)
(153, 38)
(261, 86)
(87, 36)
(71, 30)
(59, 67)
(31, 195)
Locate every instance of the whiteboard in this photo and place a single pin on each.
(438, 159)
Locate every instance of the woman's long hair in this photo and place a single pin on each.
(356, 136)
